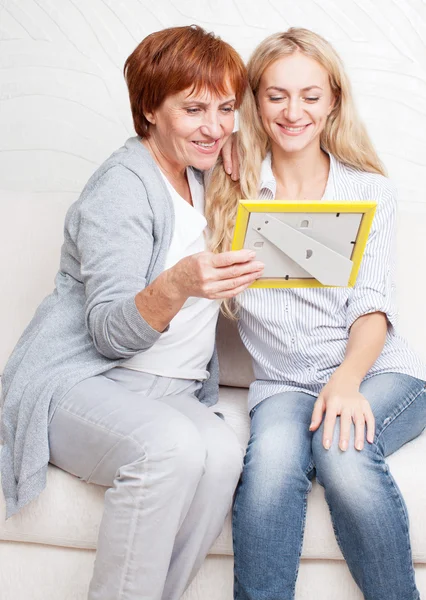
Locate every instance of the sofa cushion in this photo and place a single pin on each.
(69, 511)
(234, 360)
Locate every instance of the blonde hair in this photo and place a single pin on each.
(344, 135)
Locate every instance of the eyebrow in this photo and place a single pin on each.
(199, 103)
(306, 89)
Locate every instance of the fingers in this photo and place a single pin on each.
(360, 419)
(227, 155)
(234, 292)
(199, 276)
(317, 413)
(235, 174)
(229, 288)
(238, 270)
(329, 424)
(359, 423)
(226, 259)
(230, 158)
(345, 430)
(371, 424)
(356, 413)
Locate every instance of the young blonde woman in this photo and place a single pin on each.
(337, 389)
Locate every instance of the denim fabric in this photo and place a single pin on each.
(368, 512)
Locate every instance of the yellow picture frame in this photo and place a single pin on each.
(246, 207)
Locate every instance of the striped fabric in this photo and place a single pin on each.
(297, 337)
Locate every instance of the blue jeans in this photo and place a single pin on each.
(368, 512)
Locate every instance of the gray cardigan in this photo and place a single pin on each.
(116, 239)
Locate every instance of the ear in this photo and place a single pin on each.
(150, 117)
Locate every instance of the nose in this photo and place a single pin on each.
(293, 111)
(211, 126)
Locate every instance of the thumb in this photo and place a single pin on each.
(317, 413)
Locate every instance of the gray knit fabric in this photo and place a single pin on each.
(116, 239)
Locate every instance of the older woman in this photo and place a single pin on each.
(110, 372)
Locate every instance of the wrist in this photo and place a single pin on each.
(172, 287)
(346, 373)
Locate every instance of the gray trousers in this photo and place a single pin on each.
(171, 466)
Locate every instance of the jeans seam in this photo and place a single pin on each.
(303, 525)
(80, 418)
(109, 431)
(101, 460)
(135, 519)
(399, 412)
(254, 409)
(120, 435)
(234, 518)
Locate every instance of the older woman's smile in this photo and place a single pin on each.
(207, 147)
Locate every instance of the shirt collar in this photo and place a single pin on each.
(268, 182)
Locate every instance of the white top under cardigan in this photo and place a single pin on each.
(297, 337)
(185, 349)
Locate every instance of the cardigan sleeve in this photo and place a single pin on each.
(115, 244)
(374, 290)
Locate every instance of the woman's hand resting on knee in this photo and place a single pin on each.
(341, 398)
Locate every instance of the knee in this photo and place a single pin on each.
(346, 475)
(225, 455)
(333, 464)
(176, 451)
(275, 469)
(179, 449)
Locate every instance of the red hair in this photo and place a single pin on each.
(169, 61)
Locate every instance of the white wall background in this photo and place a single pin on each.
(64, 107)
(64, 103)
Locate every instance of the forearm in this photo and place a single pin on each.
(123, 327)
(366, 340)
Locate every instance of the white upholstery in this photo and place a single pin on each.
(31, 572)
(47, 551)
(68, 512)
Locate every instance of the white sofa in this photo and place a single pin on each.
(47, 551)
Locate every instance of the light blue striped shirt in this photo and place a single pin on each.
(297, 337)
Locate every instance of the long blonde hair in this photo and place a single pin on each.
(344, 135)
